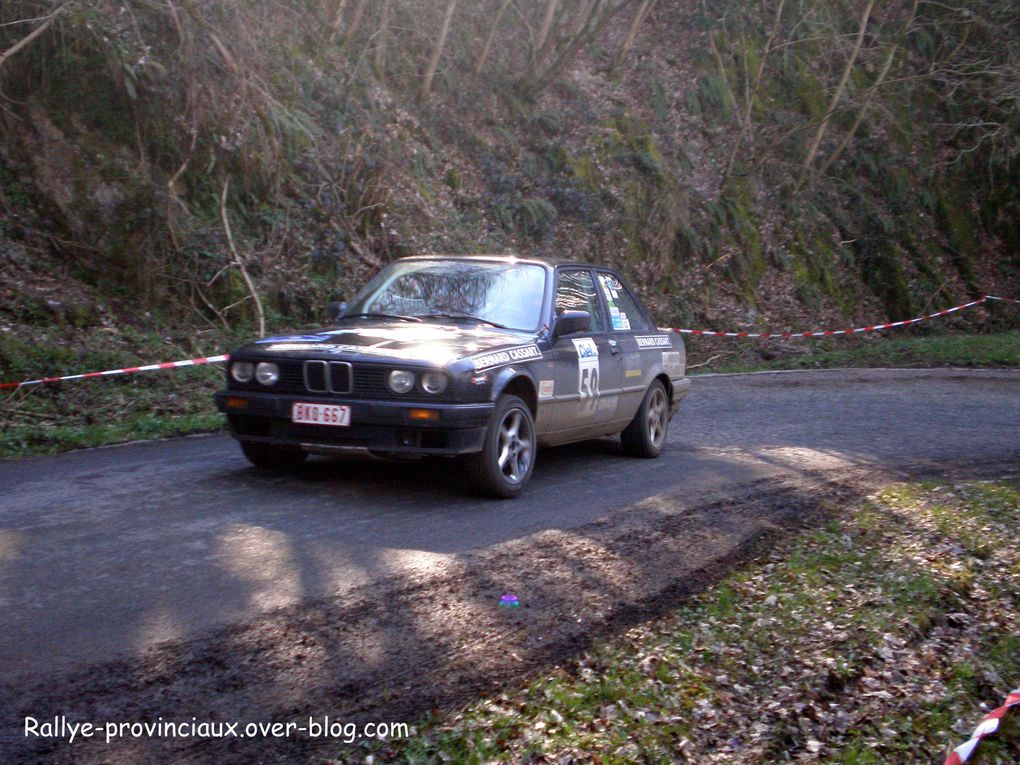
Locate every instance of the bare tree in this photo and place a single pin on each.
(869, 95)
(591, 18)
(381, 39)
(338, 17)
(547, 21)
(484, 55)
(31, 36)
(437, 52)
(752, 92)
(837, 94)
(355, 23)
(628, 42)
(239, 261)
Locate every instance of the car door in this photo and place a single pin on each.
(587, 367)
(639, 344)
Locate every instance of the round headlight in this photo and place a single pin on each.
(400, 381)
(267, 373)
(242, 371)
(433, 382)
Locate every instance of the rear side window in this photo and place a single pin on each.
(576, 292)
(624, 313)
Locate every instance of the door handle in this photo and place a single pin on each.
(614, 347)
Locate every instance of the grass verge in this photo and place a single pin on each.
(883, 637)
(998, 350)
(82, 413)
(52, 418)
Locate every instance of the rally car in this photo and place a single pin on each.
(481, 357)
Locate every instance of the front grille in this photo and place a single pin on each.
(352, 381)
(341, 377)
(315, 376)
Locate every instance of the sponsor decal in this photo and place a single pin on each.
(671, 362)
(546, 388)
(498, 358)
(653, 341)
(632, 373)
(587, 374)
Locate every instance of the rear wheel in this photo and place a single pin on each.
(272, 457)
(646, 434)
(504, 466)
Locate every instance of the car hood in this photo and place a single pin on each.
(431, 343)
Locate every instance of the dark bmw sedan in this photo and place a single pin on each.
(484, 358)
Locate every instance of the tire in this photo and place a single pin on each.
(646, 434)
(504, 465)
(272, 457)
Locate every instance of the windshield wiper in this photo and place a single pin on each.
(370, 315)
(467, 316)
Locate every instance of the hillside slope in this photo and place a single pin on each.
(754, 166)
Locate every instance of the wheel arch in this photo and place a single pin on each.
(667, 384)
(517, 383)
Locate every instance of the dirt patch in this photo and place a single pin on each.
(400, 649)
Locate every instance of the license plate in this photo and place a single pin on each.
(321, 414)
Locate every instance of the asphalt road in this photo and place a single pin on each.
(108, 552)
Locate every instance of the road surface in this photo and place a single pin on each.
(117, 561)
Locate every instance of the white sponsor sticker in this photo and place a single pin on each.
(496, 358)
(546, 388)
(587, 374)
(671, 362)
(653, 341)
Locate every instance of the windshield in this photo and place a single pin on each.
(505, 295)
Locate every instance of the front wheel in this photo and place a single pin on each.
(504, 466)
(272, 457)
(646, 434)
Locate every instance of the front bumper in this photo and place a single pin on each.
(384, 426)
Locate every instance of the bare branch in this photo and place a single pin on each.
(239, 262)
(31, 37)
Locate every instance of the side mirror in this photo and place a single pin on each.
(569, 322)
(335, 310)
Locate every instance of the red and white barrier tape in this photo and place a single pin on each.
(987, 727)
(786, 335)
(125, 371)
(833, 332)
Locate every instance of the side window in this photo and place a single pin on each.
(624, 313)
(576, 292)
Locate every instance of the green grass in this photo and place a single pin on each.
(875, 639)
(999, 350)
(96, 412)
(84, 413)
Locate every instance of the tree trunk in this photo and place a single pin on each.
(870, 95)
(745, 124)
(437, 52)
(809, 159)
(380, 46)
(628, 41)
(483, 57)
(338, 17)
(356, 16)
(543, 33)
(535, 80)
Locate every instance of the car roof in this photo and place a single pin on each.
(550, 261)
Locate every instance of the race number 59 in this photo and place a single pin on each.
(587, 374)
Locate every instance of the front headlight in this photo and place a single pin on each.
(267, 373)
(400, 381)
(242, 371)
(433, 382)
